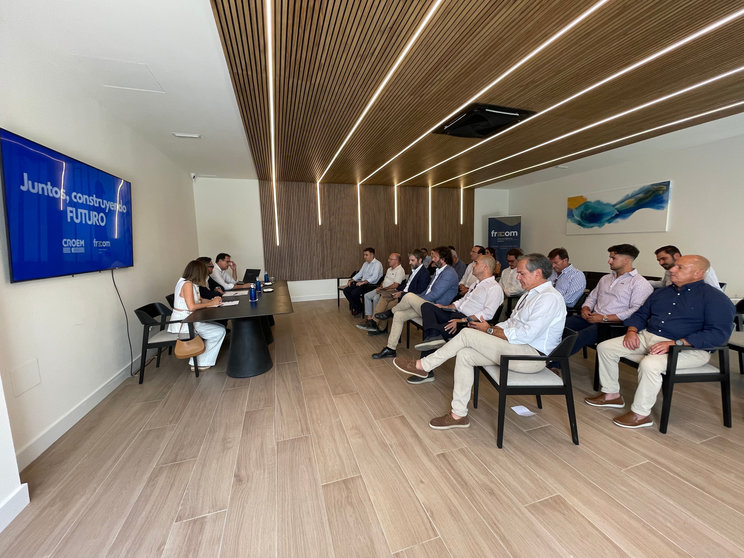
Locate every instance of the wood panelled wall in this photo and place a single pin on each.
(308, 251)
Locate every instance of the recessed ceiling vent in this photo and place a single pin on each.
(480, 121)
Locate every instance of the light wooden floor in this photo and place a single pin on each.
(330, 454)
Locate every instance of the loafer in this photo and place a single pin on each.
(377, 331)
(632, 420)
(408, 366)
(387, 352)
(386, 315)
(419, 380)
(601, 401)
(448, 421)
(430, 343)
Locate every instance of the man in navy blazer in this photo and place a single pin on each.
(416, 283)
(442, 289)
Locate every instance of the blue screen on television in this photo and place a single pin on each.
(62, 216)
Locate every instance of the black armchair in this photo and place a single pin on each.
(544, 382)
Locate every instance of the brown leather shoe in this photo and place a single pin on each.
(448, 421)
(602, 401)
(633, 420)
(408, 366)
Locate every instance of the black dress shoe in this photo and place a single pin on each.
(387, 352)
(377, 332)
(354, 312)
(386, 315)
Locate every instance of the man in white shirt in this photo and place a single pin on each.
(468, 278)
(441, 323)
(363, 281)
(509, 281)
(395, 276)
(667, 256)
(534, 328)
(224, 273)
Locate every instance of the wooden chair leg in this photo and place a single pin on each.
(196, 367)
(157, 362)
(596, 372)
(572, 417)
(142, 364)
(726, 400)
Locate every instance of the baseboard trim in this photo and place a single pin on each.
(306, 298)
(38, 445)
(13, 505)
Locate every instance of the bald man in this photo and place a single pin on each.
(687, 312)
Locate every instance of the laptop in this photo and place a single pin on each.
(251, 275)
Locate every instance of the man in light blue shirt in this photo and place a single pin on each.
(566, 279)
(363, 281)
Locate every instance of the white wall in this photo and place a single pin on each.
(706, 201)
(228, 219)
(489, 202)
(64, 341)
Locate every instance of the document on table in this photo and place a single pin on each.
(235, 293)
(230, 303)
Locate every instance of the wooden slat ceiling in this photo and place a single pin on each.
(331, 56)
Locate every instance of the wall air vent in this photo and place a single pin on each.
(481, 121)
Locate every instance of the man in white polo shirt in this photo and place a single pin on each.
(535, 327)
(224, 273)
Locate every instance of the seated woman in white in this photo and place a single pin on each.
(187, 300)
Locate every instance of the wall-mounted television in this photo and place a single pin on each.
(62, 216)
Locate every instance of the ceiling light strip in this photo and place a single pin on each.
(627, 69)
(384, 82)
(483, 91)
(317, 188)
(461, 199)
(606, 144)
(429, 213)
(395, 198)
(359, 211)
(270, 77)
(604, 121)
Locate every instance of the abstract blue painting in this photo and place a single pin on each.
(635, 209)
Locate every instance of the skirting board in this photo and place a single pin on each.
(13, 505)
(38, 445)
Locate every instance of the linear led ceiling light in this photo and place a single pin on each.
(602, 121)
(317, 189)
(270, 77)
(395, 201)
(429, 213)
(384, 82)
(606, 144)
(634, 66)
(359, 212)
(483, 91)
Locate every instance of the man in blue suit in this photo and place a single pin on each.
(442, 289)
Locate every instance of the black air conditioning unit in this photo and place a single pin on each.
(481, 121)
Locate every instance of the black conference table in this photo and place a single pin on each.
(251, 331)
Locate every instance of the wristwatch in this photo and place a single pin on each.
(604, 319)
(679, 343)
(489, 331)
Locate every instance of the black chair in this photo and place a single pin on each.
(154, 316)
(545, 382)
(705, 373)
(340, 288)
(576, 308)
(736, 341)
(171, 299)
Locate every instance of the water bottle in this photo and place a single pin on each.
(258, 286)
(253, 294)
(266, 277)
